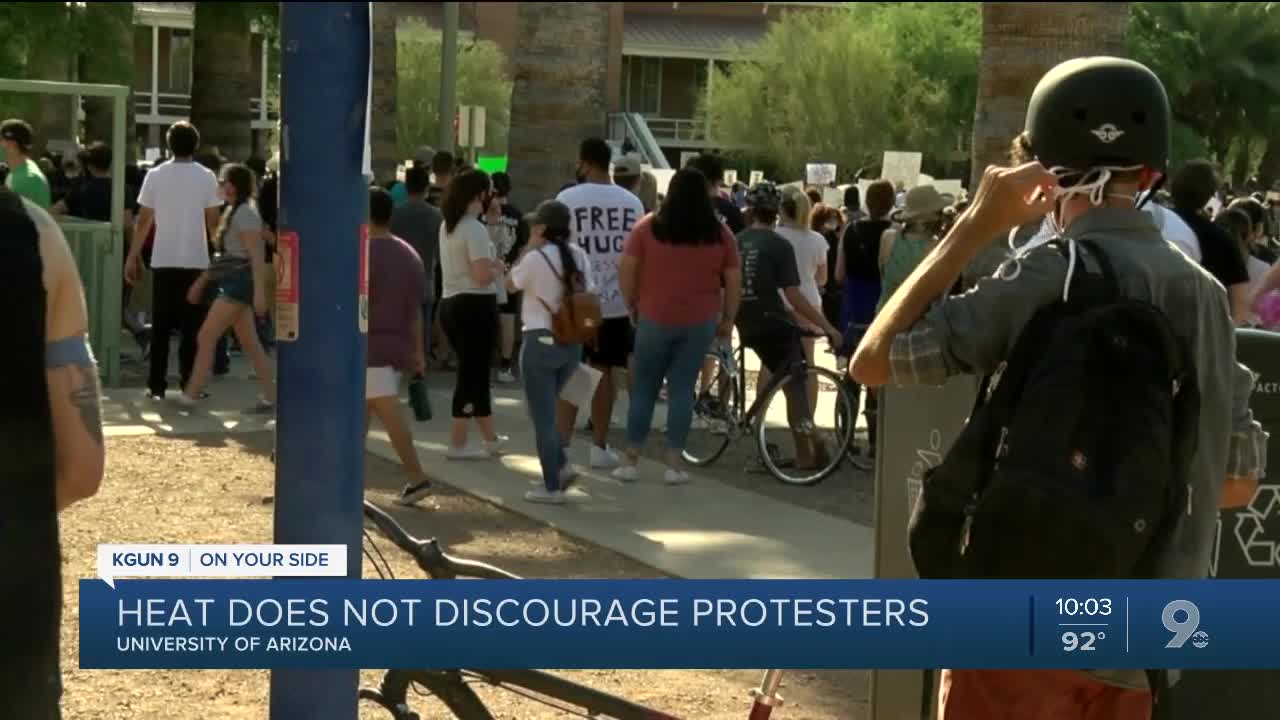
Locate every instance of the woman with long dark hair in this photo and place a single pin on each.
(550, 269)
(681, 280)
(237, 280)
(469, 309)
(857, 270)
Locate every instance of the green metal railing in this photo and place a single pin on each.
(97, 245)
(99, 255)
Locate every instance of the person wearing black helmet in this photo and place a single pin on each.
(769, 273)
(1099, 132)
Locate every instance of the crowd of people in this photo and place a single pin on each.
(673, 273)
(609, 277)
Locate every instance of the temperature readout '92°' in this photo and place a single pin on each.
(1084, 640)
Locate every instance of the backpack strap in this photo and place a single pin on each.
(559, 277)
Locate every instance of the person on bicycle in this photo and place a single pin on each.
(1085, 176)
(769, 274)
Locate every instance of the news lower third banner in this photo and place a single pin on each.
(888, 624)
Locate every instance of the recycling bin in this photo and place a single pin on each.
(1247, 546)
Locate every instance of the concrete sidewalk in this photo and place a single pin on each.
(702, 530)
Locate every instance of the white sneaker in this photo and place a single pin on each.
(498, 446)
(545, 496)
(568, 477)
(505, 377)
(627, 473)
(470, 452)
(675, 477)
(604, 458)
(185, 401)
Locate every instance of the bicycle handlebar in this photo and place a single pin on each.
(428, 554)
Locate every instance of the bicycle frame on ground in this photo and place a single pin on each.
(454, 687)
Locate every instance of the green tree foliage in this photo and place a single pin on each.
(1221, 64)
(939, 41)
(33, 30)
(846, 85)
(482, 80)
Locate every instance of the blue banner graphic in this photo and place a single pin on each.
(800, 624)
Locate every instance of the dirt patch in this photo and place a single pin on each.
(212, 490)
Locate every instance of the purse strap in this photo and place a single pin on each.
(559, 277)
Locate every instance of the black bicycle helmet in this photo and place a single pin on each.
(764, 196)
(1099, 111)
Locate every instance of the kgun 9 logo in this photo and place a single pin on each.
(1182, 618)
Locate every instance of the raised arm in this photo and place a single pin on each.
(72, 374)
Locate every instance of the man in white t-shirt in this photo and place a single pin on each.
(1174, 228)
(602, 217)
(181, 199)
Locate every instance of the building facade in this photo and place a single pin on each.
(163, 73)
(663, 57)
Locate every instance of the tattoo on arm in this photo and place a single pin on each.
(74, 354)
(86, 397)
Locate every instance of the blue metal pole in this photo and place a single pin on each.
(324, 200)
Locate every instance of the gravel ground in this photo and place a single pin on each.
(213, 490)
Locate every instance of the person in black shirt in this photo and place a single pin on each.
(1193, 187)
(91, 199)
(512, 240)
(713, 168)
(269, 208)
(768, 273)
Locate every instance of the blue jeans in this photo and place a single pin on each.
(674, 352)
(546, 367)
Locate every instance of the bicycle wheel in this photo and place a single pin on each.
(857, 457)
(832, 430)
(715, 413)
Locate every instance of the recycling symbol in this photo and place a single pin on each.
(1259, 548)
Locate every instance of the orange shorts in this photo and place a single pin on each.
(1036, 695)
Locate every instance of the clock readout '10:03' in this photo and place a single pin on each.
(1072, 607)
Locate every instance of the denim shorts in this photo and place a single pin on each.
(236, 286)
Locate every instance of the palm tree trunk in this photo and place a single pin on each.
(383, 133)
(1022, 41)
(53, 119)
(559, 96)
(222, 79)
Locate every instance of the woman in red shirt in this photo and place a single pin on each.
(680, 278)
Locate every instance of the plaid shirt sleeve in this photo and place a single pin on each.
(916, 358)
(1247, 449)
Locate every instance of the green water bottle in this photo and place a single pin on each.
(419, 399)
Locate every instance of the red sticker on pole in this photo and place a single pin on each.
(364, 279)
(286, 266)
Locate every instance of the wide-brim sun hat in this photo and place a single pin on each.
(922, 201)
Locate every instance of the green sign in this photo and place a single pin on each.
(492, 164)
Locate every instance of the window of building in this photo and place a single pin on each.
(180, 61)
(644, 84)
